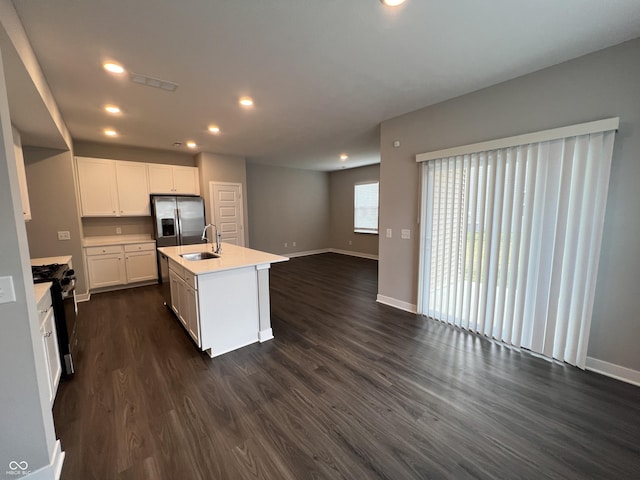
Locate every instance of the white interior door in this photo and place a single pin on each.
(227, 208)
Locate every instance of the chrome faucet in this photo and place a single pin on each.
(217, 235)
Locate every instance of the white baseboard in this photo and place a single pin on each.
(354, 254)
(614, 371)
(331, 250)
(83, 297)
(304, 254)
(53, 471)
(264, 335)
(392, 302)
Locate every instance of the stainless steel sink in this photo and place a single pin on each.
(199, 256)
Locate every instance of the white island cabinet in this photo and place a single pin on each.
(222, 302)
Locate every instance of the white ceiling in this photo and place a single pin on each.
(323, 74)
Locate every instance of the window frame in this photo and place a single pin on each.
(356, 227)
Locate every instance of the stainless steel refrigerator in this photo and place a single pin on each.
(177, 220)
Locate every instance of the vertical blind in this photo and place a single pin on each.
(511, 241)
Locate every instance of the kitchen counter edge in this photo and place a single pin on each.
(232, 257)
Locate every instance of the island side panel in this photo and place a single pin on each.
(228, 302)
(264, 303)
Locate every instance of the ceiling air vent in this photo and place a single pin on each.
(153, 82)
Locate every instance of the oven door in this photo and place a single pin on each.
(70, 315)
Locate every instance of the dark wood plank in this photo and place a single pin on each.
(348, 389)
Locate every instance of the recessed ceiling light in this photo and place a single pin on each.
(214, 129)
(392, 3)
(113, 67)
(112, 109)
(343, 156)
(110, 132)
(191, 144)
(246, 101)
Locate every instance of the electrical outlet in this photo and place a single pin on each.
(405, 234)
(350, 242)
(286, 244)
(64, 235)
(293, 244)
(388, 233)
(7, 293)
(118, 230)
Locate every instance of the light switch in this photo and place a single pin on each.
(64, 235)
(388, 233)
(405, 234)
(7, 293)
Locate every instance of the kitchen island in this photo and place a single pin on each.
(222, 302)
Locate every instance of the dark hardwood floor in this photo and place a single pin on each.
(348, 389)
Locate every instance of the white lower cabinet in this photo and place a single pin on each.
(50, 345)
(106, 266)
(176, 294)
(191, 312)
(141, 262)
(184, 300)
(116, 265)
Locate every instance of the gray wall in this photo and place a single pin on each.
(213, 167)
(106, 226)
(600, 85)
(132, 154)
(26, 423)
(53, 207)
(342, 236)
(287, 205)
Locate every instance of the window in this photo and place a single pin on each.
(511, 237)
(365, 208)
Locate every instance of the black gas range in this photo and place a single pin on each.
(63, 281)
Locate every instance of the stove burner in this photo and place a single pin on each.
(45, 273)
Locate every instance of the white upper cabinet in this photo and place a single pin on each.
(112, 188)
(133, 188)
(115, 188)
(173, 179)
(185, 180)
(160, 178)
(22, 175)
(98, 187)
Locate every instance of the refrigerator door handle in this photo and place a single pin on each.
(179, 224)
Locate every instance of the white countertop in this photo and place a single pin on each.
(115, 240)
(232, 257)
(36, 262)
(41, 289)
